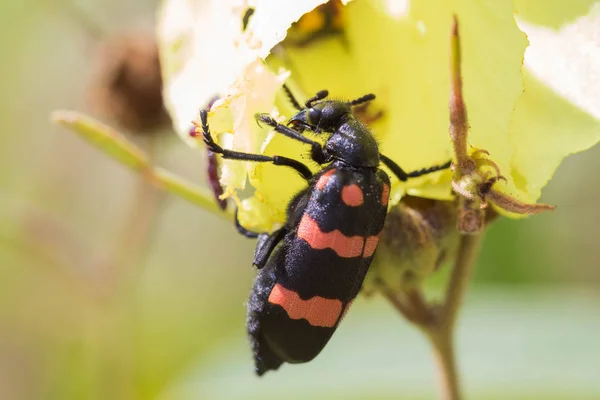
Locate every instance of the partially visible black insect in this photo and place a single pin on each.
(325, 21)
(313, 267)
(212, 168)
(246, 17)
(212, 173)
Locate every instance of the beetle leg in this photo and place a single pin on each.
(403, 176)
(317, 153)
(243, 231)
(236, 155)
(265, 245)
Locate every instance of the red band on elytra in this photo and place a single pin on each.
(385, 194)
(317, 310)
(370, 245)
(343, 245)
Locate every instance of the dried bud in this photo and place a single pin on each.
(471, 218)
(474, 173)
(127, 88)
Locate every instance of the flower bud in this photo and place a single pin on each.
(418, 237)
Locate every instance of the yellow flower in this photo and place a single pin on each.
(528, 118)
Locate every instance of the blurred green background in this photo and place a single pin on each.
(91, 308)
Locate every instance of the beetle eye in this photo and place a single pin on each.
(313, 116)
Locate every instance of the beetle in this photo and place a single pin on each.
(312, 268)
(212, 166)
(324, 21)
(327, 20)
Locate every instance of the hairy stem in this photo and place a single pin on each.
(441, 331)
(438, 322)
(459, 279)
(445, 355)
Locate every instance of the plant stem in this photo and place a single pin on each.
(441, 331)
(460, 276)
(117, 146)
(401, 303)
(438, 321)
(443, 347)
(196, 195)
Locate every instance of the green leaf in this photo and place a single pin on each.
(196, 195)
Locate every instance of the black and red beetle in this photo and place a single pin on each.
(312, 268)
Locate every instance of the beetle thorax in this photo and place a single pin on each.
(353, 144)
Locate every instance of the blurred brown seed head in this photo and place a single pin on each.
(127, 86)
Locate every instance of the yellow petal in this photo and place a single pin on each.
(404, 61)
(202, 52)
(253, 92)
(558, 113)
(552, 13)
(272, 19)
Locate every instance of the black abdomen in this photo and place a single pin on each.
(311, 278)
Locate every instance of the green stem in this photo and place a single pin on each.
(438, 322)
(117, 146)
(401, 303)
(196, 195)
(445, 355)
(441, 331)
(460, 277)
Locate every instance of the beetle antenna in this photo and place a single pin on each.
(363, 99)
(319, 96)
(291, 97)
